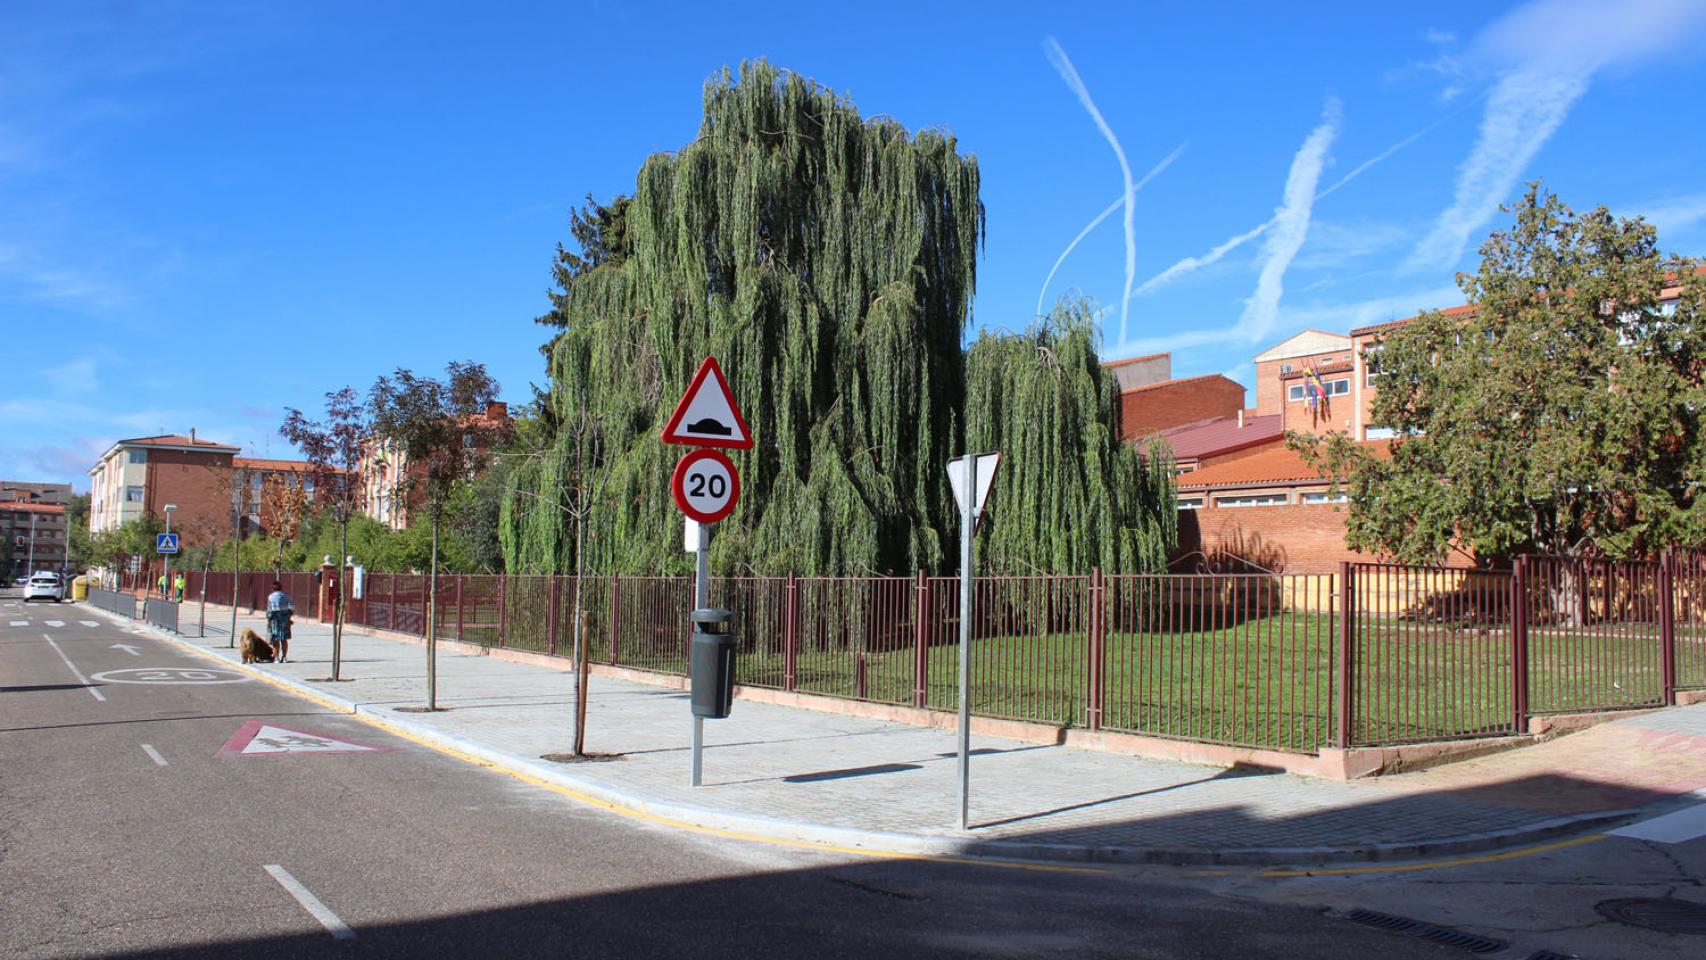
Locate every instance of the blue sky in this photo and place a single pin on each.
(209, 212)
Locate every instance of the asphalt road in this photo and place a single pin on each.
(131, 824)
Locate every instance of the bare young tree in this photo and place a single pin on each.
(582, 478)
(333, 447)
(442, 433)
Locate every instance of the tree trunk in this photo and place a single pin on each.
(580, 641)
(338, 612)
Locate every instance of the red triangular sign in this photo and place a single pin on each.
(707, 415)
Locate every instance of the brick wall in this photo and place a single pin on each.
(1178, 403)
(1295, 538)
(199, 484)
(1285, 539)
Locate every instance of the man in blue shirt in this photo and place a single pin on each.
(279, 611)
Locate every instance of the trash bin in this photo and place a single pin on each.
(712, 662)
(80, 588)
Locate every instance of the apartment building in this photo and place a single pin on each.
(33, 536)
(143, 475)
(389, 483)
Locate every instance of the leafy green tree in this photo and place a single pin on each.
(80, 542)
(1068, 495)
(1563, 416)
(333, 447)
(443, 436)
(828, 261)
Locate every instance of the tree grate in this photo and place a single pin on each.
(1472, 942)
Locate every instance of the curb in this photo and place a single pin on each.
(884, 843)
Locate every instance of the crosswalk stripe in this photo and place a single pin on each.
(1678, 827)
(54, 623)
(20, 623)
(88, 623)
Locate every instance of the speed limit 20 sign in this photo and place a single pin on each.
(706, 485)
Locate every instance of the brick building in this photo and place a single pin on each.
(33, 536)
(141, 476)
(389, 483)
(1135, 372)
(1151, 409)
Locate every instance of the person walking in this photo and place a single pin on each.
(178, 586)
(161, 583)
(279, 612)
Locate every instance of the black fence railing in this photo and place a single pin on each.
(112, 601)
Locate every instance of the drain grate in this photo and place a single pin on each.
(1550, 955)
(1656, 913)
(1474, 943)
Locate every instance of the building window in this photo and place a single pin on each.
(1285, 368)
(1322, 496)
(1294, 392)
(1251, 500)
(136, 456)
(1190, 503)
(132, 494)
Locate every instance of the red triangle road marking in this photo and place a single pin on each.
(258, 738)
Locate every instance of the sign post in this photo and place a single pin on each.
(705, 485)
(971, 477)
(166, 544)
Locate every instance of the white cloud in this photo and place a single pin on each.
(1291, 227)
(1068, 73)
(1166, 162)
(1336, 245)
(1523, 110)
(1340, 317)
(1672, 216)
(75, 377)
(1544, 55)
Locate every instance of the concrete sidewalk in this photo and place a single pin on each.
(800, 775)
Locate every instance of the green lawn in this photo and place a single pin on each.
(1267, 682)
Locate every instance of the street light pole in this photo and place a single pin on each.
(167, 573)
(30, 564)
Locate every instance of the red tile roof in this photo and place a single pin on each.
(261, 463)
(1448, 311)
(1222, 436)
(26, 507)
(1280, 466)
(174, 440)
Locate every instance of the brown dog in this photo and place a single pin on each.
(255, 648)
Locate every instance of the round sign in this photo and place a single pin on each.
(706, 485)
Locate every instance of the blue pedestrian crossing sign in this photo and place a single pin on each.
(165, 543)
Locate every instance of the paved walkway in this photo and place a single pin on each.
(800, 774)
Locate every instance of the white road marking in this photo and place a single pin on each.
(154, 754)
(1675, 827)
(20, 623)
(98, 695)
(54, 623)
(88, 623)
(127, 648)
(336, 927)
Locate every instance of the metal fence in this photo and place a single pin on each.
(161, 613)
(1372, 655)
(112, 601)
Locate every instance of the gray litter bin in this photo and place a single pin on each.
(712, 663)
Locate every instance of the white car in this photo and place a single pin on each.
(44, 586)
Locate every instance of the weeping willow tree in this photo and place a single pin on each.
(1069, 495)
(828, 262)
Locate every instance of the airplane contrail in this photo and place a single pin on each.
(1166, 162)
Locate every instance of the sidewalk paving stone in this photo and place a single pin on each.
(805, 767)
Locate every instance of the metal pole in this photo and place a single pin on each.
(968, 521)
(236, 551)
(168, 569)
(30, 564)
(701, 600)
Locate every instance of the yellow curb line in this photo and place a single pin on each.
(1437, 864)
(576, 795)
